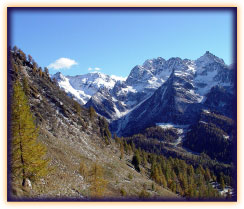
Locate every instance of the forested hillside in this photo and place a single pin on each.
(78, 158)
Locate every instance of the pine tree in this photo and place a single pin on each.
(190, 170)
(144, 158)
(121, 151)
(116, 138)
(92, 112)
(83, 170)
(46, 71)
(77, 107)
(133, 146)
(15, 49)
(163, 180)
(27, 155)
(136, 160)
(155, 174)
(129, 149)
(179, 190)
(122, 192)
(26, 87)
(222, 182)
(126, 146)
(144, 194)
(184, 182)
(15, 67)
(174, 177)
(40, 72)
(207, 175)
(173, 186)
(30, 58)
(22, 55)
(35, 66)
(190, 192)
(98, 183)
(168, 172)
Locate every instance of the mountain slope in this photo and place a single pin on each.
(214, 135)
(72, 136)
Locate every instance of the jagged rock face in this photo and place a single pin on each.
(188, 90)
(145, 73)
(160, 90)
(212, 75)
(105, 104)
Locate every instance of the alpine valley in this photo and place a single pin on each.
(166, 132)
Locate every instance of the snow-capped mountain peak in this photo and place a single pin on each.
(82, 87)
(58, 76)
(153, 64)
(206, 59)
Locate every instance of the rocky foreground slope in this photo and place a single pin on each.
(73, 135)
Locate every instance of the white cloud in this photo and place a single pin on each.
(62, 63)
(95, 68)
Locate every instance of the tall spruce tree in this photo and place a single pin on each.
(98, 183)
(92, 112)
(27, 155)
(136, 160)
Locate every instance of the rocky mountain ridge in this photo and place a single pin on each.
(188, 86)
(82, 87)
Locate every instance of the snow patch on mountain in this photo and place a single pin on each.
(171, 125)
(180, 129)
(118, 78)
(82, 87)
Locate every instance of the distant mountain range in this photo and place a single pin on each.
(159, 91)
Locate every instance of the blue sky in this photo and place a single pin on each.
(114, 41)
